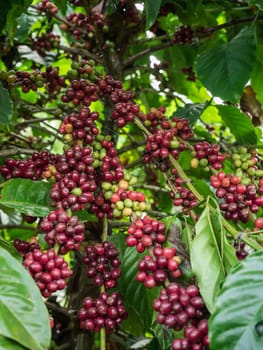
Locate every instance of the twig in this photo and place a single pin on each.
(81, 52)
(16, 150)
(142, 53)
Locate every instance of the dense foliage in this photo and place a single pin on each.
(131, 174)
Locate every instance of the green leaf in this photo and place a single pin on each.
(225, 69)
(17, 8)
(227, 251)
(152, 8)
(6, 106)
(5, 7)
(8, 246)
(112, 6)
(256, 80)
(8, 344)
(236, 323)
(206, 260)
(257, 3)
(27, 196)
(24, 317)
(239, 124)
(191, 111)
(61, 5)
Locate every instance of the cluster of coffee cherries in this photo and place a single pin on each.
(67, 232)
(159, 145)
(240, 248)
(103, 264)
(73, 191)
(183, 308)
(52, 80)
(47, 7)
(148, 233)
(195, 337)
(80, 126)
(238, 200)
(45, 43)
(106, 311)
(31, 168)
(84, 69)
(80, 92)
(189, 73)
(49, 78)
(205, 154)
(145, 232)
(181, 195)
(124, 112)
(183, 35)
(246, 164)
(153, 269)
(124, 200)
(48, 269)
(24, 247)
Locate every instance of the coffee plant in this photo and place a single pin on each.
(131, 175)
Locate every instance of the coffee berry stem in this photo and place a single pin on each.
(103, 344)
(104, 234)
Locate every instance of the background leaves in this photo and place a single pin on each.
(223, 70)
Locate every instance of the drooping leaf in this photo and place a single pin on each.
(24, 317)
(27, 196)
(227, 251)
(191, 111)
(237, 320)
(225, 69)
(6, 104)
(239, 124)
(8, 344)
(206, 260)
(152, 8)
(8, 246)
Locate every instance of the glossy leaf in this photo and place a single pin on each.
(227, 251)
(206, 260)
(8, 246)
(256, 80)
(8, 344)
(239, 124)
(112, 6)
(191, 111)
(152, 8)
(225, 69)
(238, 317)
(62, 5)
(24, 317)
(16, 9)
(27, 196)
(6, 104)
